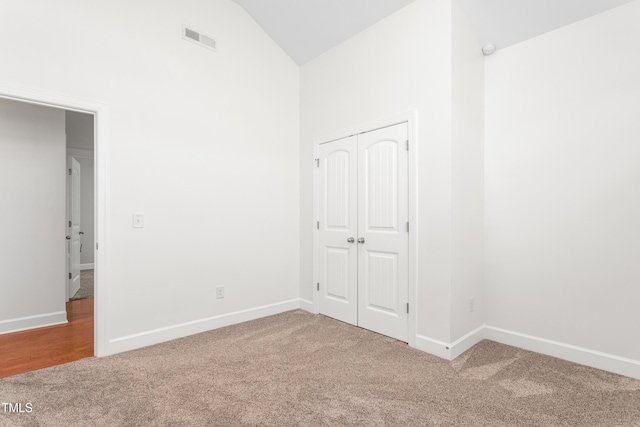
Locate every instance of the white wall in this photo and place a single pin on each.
(562, 176)
(403, 63)
(79, 130)
(32, 216)
(467, 177)
(204, 143)
(80, 135)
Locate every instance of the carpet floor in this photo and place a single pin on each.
(86, 285)
(300, 369)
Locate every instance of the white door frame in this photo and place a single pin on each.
(411, 118)
(100, 113)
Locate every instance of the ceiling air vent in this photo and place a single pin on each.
(197, 37)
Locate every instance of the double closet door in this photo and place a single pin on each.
(363, 230)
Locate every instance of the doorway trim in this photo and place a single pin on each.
(100, 113)
(411, 118)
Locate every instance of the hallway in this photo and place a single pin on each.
(44, 347)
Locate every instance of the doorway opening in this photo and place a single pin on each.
(96, 115)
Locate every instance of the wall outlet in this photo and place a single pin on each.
(138, 220)
(472, 305)
(220, 292)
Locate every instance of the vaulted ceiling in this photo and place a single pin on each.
(306, 28)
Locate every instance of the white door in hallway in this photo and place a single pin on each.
(363, 235)
(73, 238)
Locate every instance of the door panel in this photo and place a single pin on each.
(338, 216)
(382, 217)
(381, 181)
(337, 274)
(380, 276)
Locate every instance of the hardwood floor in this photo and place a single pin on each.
(54, 345)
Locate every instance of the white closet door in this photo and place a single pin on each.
(383, 214)
(337, 255)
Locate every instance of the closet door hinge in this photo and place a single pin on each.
(407, 307)
(69, 275)
(318, 286)
(317, 225)
(407, 226)
(407, 145)
(317, 163)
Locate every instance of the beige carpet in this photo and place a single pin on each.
(299, 369)
(86, 285)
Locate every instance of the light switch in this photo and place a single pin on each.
(138, 220)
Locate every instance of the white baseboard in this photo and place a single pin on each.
(448, 351)
(452, 350)
(86, 266)
(582, 356)
(464, 343)
(306, 305)
(32, 322)
(571, 353)
(156, 336)
(432, 346)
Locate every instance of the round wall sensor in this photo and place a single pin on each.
(488, 49)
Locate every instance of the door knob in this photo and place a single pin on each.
(82, 232)
(351, 240)
(68, 237)
(361, 240)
